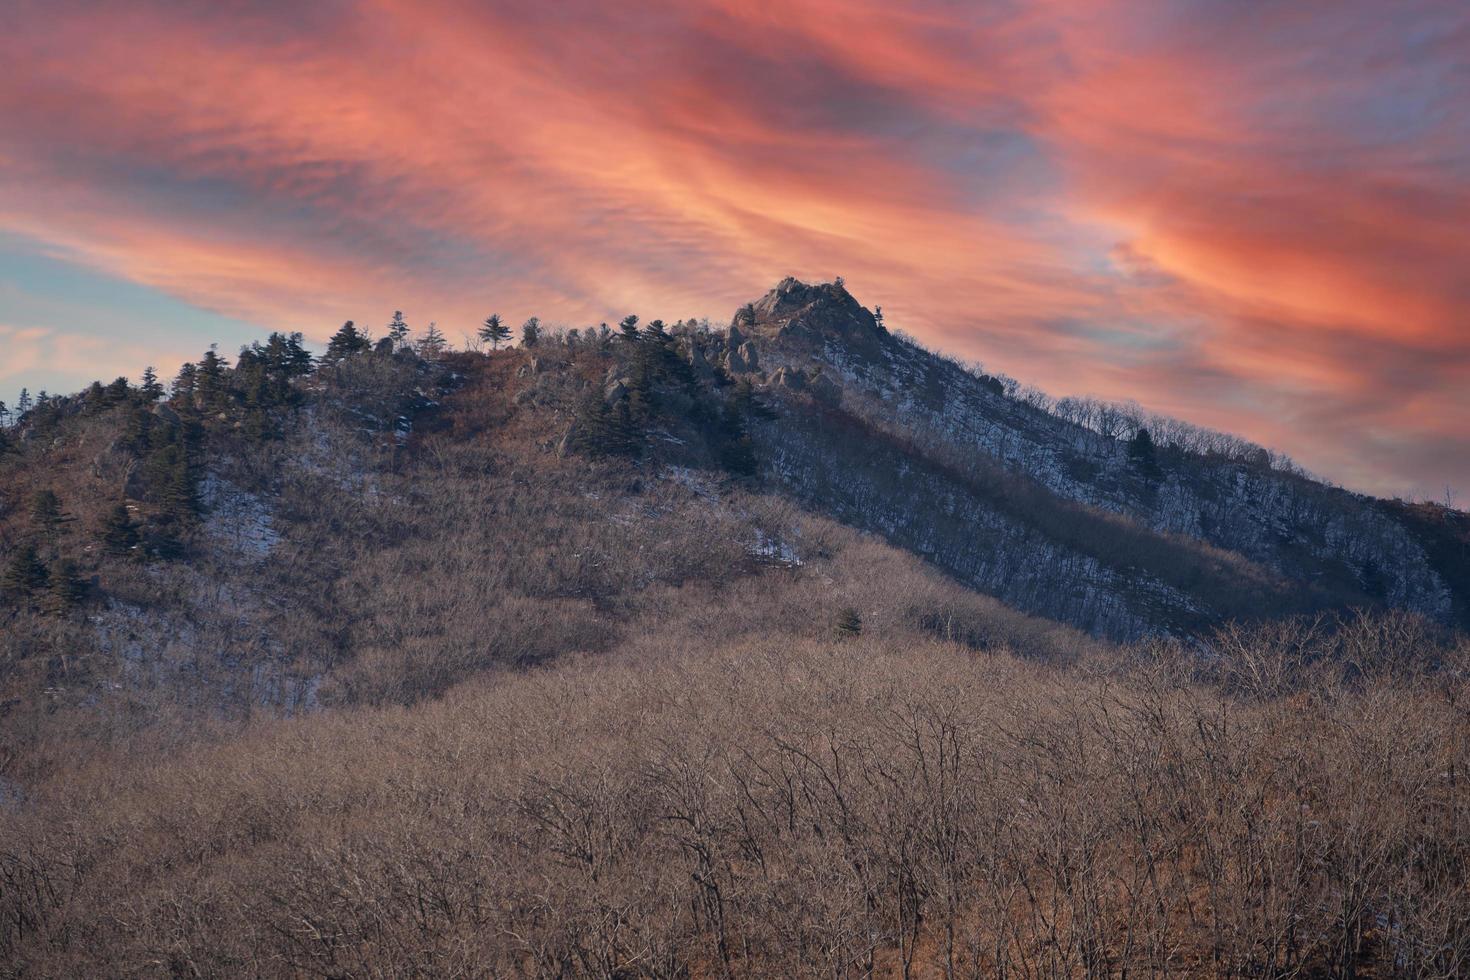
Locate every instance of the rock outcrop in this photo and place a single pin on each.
(799, 314)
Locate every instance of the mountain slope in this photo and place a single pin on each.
(380, 527)
(668, 654)
(1051, 516)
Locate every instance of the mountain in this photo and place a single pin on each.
(291, 516)
(785, 649)
(805, 401)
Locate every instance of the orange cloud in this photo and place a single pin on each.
(1251, 216)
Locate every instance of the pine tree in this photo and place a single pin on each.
(878, 319)
(733, 444)
(43, 407)
(642, 398)
(138, 436)
(119, 536)
(296, 359)
(628, 327)
(165, 540)
(746, 316)
(531, 332)
(180, 487)
(209, 383)
(600, 429)
(431, 347)
(624, 435)
(849, 624)
(494, 332)
(745, 400)
(23, 404)
(170, 470)
(183, 386)
(261, 374)
(24, 574)
(284, 356)
(589, 423)
(118, 391)
(46, 514)
(347, 341)
(1142, 454)
(398, 330)
(150, 390)
(66, 589)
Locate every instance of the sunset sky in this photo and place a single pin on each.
(1254, 215)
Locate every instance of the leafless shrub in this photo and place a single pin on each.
(781, 807)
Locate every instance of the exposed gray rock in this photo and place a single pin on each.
(698, 361)
(797, 312)
(134, 487)
(792, 379)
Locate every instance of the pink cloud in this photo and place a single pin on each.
(1189, 203)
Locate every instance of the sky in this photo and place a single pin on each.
(1254, 215)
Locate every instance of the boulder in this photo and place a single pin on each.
(134, 486)
(698, 361)
(792, 379)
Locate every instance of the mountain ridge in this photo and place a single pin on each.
(864, 425)
(1292, 527)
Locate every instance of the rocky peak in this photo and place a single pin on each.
(798, 311)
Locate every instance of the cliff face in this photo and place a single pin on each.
(1044, 513)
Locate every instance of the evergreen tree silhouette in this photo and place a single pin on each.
(494, 332)
(119, 535)
(24, 574)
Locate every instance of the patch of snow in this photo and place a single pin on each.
(700, 484)
(237, 520)
(774, 550)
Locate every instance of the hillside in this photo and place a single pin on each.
(387, 523)
(786, 648)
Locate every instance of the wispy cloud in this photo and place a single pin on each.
(1250, 215)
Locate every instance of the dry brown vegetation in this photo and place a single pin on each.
(789, 807)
